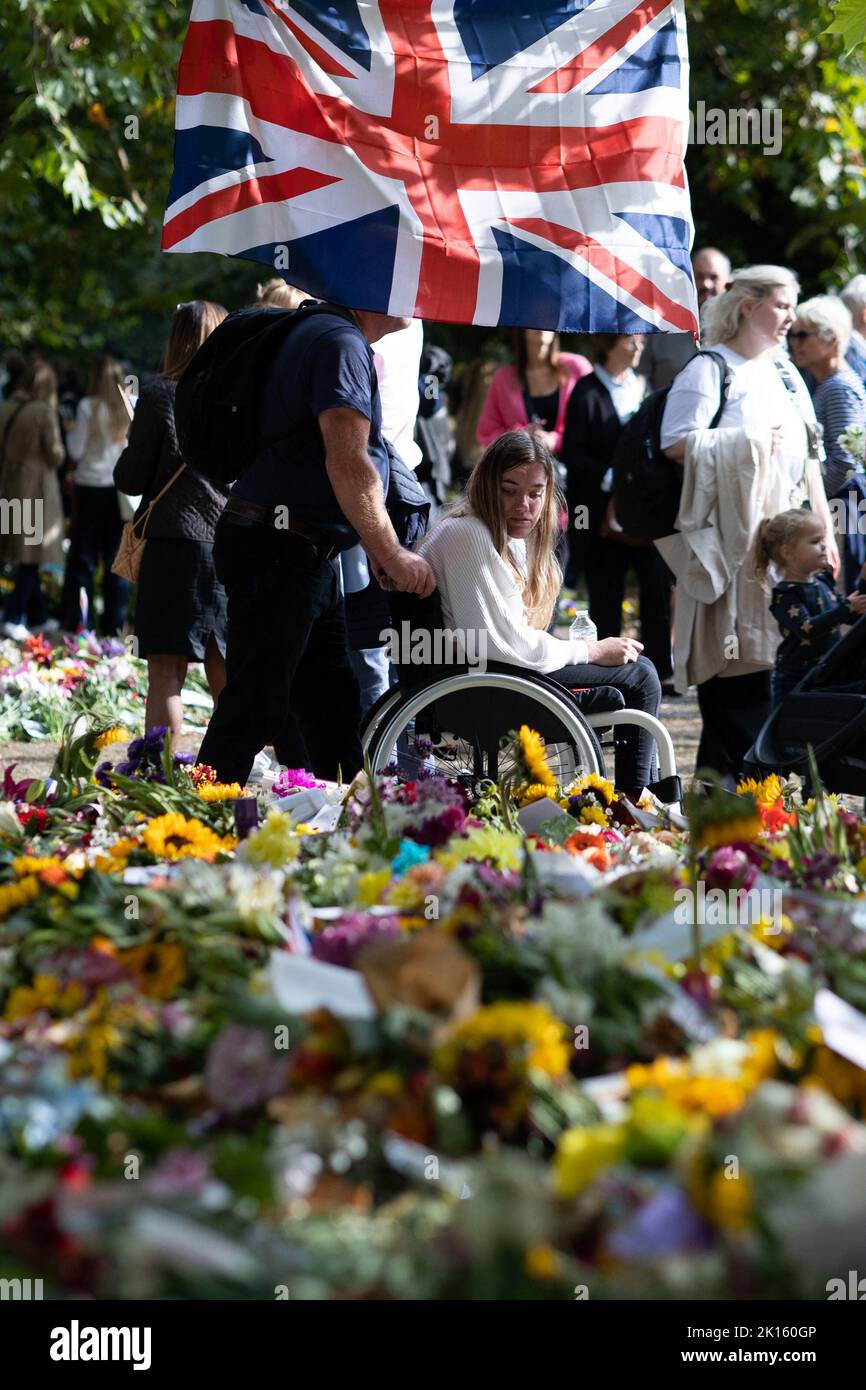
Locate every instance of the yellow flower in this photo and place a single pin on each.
(592, 815)
(173, 837)
(729, 1201)
(158, 967)
(219, 791)
(541, 1261)
(582, 1153)
(591, 781)
(532, 791)
(388, 1084)
(275, 843)
(14, 895)
(766, 793)
(729, 832)
(371, 887)
(44, 993)
(26, 864)
(514, 1025)
(504, 848)
(115, 734)
(533, 756)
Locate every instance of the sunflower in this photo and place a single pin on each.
(592, 782)
(116, 734)
(766, 793)
(531, 754)
(740, 830)
(219, 791)
(14, 895)
(535, 791)
(173, 837)
(158, 967)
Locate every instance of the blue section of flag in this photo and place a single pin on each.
(349, 264)
(340, 21)
(540, 290)
(254, 7)
(493, 32)
(654, 64)
(205, 151)
(670, 234)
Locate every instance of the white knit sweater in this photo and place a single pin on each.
(479, 592)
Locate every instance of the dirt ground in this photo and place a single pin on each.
(679, 716)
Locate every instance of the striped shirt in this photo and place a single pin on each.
(839, 402)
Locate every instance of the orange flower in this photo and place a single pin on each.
(52, 875)
(585, 845)
(775, 818)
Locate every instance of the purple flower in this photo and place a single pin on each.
(179, 1173)
(12, 789)
(340, 943)
(293, 779)
(112, 646)
(184, 759)
(728, 868)
(436, 830)
(243, 1069)
(665, 1225)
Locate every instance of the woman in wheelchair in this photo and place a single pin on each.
(493, 555)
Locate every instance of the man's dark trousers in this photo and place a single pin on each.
(289, 680)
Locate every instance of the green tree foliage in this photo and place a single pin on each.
(87, 114)
(806, 205)
(87, 120)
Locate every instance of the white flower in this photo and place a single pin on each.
(9, 822)
(256, 890)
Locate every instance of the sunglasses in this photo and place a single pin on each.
(800, 335)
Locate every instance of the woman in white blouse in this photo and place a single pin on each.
(95, 443)
(494, 558)
(747, 325)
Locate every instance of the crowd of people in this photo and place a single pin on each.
(289, 620)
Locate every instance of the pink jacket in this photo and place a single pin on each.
(504, 408)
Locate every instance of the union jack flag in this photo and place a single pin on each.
(466, 161)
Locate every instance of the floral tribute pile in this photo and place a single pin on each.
(45, 682)
(419, 1039)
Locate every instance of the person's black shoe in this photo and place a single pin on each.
(669, 692)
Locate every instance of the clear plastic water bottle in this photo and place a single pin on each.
(583, 628)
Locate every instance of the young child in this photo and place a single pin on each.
(804, 602)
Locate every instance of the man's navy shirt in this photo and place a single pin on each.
(323, 364)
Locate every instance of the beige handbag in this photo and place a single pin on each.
(130, 552)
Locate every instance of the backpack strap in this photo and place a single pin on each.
(814, 431)
(725, 378)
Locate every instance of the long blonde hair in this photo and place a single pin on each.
(482, 498)
(106, 384)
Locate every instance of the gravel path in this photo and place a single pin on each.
(679, 716)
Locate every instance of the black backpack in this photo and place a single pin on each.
(218, 397)
(646, 483)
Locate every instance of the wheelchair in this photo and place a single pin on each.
(453, 717)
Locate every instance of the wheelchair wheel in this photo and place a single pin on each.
(452, 726)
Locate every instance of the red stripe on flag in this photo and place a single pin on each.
(595, 54)
(272, 188)
(631, 280)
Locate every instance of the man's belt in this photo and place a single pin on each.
(265, 516)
